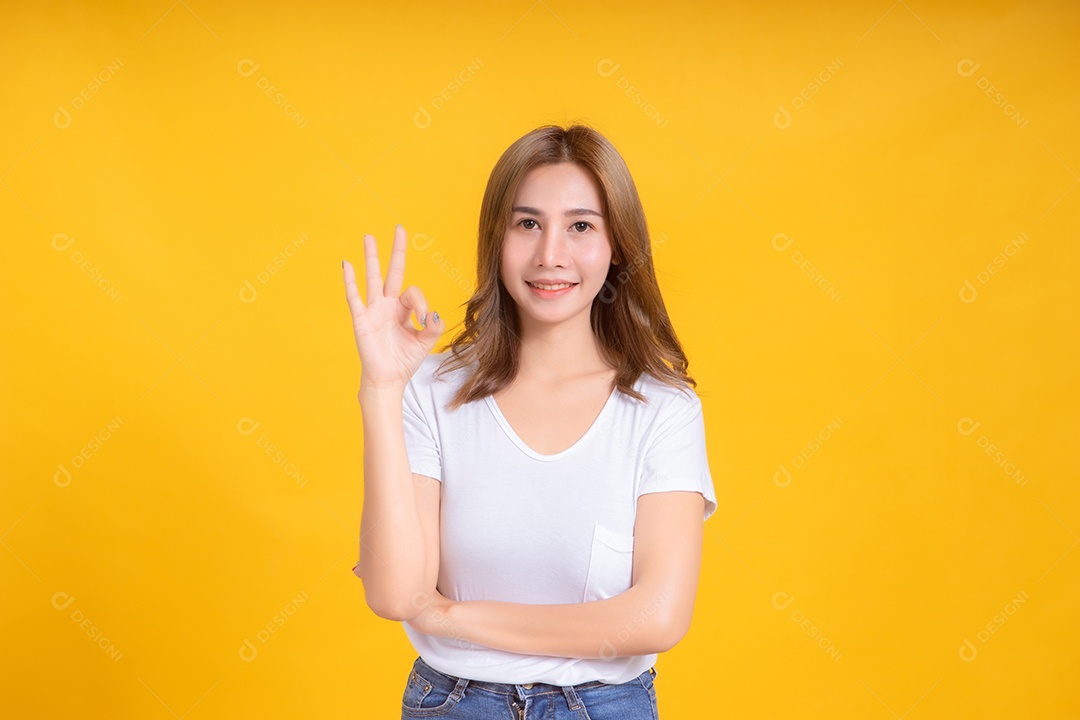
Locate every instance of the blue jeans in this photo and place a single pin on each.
(430, 693)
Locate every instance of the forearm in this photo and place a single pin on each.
(391, 540)
(635, 622)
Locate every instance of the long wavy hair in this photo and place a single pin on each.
(628, 314)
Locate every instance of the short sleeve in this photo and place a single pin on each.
(421, 444)
(674, 455)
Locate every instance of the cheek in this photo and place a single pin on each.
(510, 262)
(597, 258)
(505, 254)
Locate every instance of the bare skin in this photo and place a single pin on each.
(396, 564)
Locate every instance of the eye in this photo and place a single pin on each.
(582, 226)
(524, 223)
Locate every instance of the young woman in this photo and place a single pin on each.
(534, 495)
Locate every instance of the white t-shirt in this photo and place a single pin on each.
(522, 527)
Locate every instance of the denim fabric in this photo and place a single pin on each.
(430, 693)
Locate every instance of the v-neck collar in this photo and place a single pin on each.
(516, 439)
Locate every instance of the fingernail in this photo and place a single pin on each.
(399, 226)
(423, 321)
(342, 264)
(435, 317)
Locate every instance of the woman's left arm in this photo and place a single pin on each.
(652, 616)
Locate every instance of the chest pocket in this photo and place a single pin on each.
(611, 564)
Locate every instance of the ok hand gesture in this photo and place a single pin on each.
(391, 349)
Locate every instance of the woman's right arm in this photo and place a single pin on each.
(393, 558)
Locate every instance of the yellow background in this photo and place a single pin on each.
(181, 438)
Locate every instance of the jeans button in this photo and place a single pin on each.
(527, 686)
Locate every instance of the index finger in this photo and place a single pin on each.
(395, 271)
(352, 295)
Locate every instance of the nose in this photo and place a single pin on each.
(551, 250)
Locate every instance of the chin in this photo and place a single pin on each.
(552, 316)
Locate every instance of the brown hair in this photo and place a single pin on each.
(628, 314)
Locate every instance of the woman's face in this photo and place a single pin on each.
(557, 249)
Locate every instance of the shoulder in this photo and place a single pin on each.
(670, 411)
(665, 399)
(429, 382)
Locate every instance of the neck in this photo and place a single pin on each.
(554, 352)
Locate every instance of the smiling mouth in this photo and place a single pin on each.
(558, 286)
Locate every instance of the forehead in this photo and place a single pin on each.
(561, 184)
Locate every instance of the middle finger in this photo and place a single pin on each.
(395, 270)
(373, 272)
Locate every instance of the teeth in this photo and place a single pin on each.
(560, 286)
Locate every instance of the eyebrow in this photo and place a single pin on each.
(570, 212)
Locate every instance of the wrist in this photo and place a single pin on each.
(380, 392)
(451, 626)
(434, 616)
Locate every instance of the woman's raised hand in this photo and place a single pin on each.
(391, 349)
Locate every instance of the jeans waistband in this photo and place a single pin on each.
(526, 689)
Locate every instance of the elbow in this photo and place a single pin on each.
(669, 639)
(392, 603)
(397, 609)
(665, 621)
(397, 605)
(671, 630)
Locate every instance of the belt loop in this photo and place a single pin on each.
(459, 688)
(572, 698)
